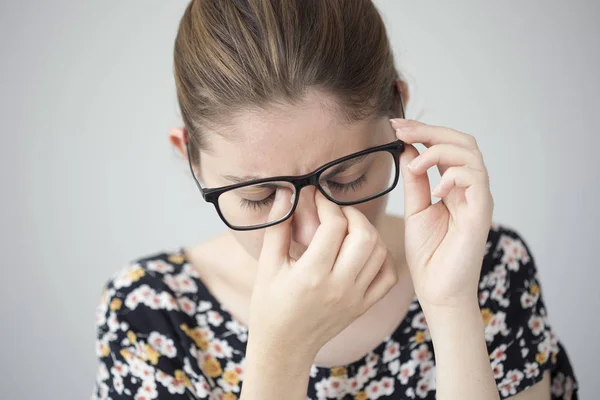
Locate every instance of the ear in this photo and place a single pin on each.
(177, 139)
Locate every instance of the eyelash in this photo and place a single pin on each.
(245, 203)
(345, 187)
(342, 187)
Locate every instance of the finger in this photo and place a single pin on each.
(327, 240)
(357, 246)
(372, 266)
(276, 242)
(386, 278)
(411, 131)
(417, 191)
(444, 156)
(463, 177)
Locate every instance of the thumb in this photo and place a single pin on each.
(417, 191)
(276, 241)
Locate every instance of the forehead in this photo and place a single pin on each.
(290, 140)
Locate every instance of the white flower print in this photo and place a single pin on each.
(204, 306)
(102, 373)
(394, 367)
(428, 369)
(392, 351)
(483, 296)
(423, 387)
(421, 353)
(214, 318)
(147, 390)
(162, 344)
(118, 384)
(180, 283)
(159, 266)
(313, 371)
(239, 330)
(374, 390)
(531, 370)
(410, 393)
(406, 371)
(497, 369)
(127, 275)
(499, 353)
(365, 372)
(387, 385)
(220, 349)
(141, 369)
(186, 305)
(527, 300)
(353, 385)
(536, 324)
(419, 321)
(330, 387)
(167, 301)
(119, 368)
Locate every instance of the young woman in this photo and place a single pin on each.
(294, 130)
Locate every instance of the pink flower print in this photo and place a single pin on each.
(186, 305)
(392, 351)
(406, 371)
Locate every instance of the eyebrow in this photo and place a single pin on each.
(341, 167)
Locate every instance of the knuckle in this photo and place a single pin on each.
(471, 140)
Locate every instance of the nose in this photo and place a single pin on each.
(306, 219)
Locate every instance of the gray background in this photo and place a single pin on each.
(89, 180)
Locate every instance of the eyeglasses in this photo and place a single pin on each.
(350, 180)
(353, 179)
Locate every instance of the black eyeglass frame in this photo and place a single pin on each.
(312, 178)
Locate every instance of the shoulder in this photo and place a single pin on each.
(520, 339)
(141, 318)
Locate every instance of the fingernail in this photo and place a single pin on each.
(413, 163)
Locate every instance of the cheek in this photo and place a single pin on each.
(251, 241)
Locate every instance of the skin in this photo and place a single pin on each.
(330, 274)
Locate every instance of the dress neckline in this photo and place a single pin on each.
(402, 328)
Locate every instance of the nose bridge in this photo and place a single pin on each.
(306, 219)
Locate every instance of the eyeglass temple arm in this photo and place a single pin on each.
(187, 150)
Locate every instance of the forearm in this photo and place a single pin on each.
(273, 373)
(463, 369)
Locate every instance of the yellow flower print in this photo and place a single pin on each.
(487, 315)
(131, 336)
(104, 350)
(554, 358)
(541, 358)
(229, 396)
(128, 355)
(135, 274)
(231, 377)
(361, 396)
(115, 304)
(420, 337)
(212, 367)
(534, 289)
(181, 377)
(151, 354)
(197, 335)
(176, 258)
(339, 372)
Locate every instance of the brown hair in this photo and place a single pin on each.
(234, 55)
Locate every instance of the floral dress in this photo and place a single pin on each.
(162, 334)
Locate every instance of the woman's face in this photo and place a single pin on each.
(291, 141)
